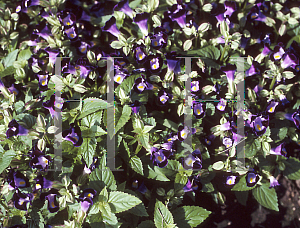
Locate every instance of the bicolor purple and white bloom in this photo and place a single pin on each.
(193, 184)
(209, 139)
(50, 196)
(71, 32)
(119, 76)
(21, 200)
(42, 30)
(289, 60)
(158, 157)
(271, 107)
(193, 160)
(51, 105)
(67, 18)
(82, 64)
(154, 63)
(83, 48)
(273, 182)
(167, 24)
(140, 85)
(230, 181)
(43, 80)
(159, 39)
(183, 133)
(296, 118)
(15, 129)
(163, 98)
(87, 193)
(16, 179)
(259, 125)
(278, 52)
(179, 17)
(85, 204)
(227, 142)
(73, 134)
(124, 7)
(252, 178)
(253, 70)
(42, 182)
(230, 7)
(221, 105)
(139, 54)
(142, 21)
(111, 27)
(195, 86)
(40, 161)
(199, 110)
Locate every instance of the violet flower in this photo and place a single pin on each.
(193, 184)
(195, 86)
(229, 70)
(221, 105)
(183, 133)
(289, 60)
(39, 159)
(173, 63)
(141, 20)
(154, 63)
(279, 150)
(193, 160)
(71, 32)
(16, 179)
(43, 80)
(87, 193)
(254, 69)
(73, 134)
(67, 18)
(15, 129)
(111, 27)
(210, 139)
(158, 157)
(278, 52)
(21, 200)
(296, 118)
(199, 110)
(252, 178)
(85, 204)
(42, 30)
(83, 65)
(124, 7)
(50, 196)
(136, 106)
(179, 16)
(139, 54)
(51, 105)
(259, 125)
(227, 142)
(273, 182)
(230, 7)
(42, 183)
(159, 39)
(167, 24)
(19, 226)
(271, 107)
(163, 98)
(119, 76)
(52, 54)
(230, 181)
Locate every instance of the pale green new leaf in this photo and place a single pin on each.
(162, 215)
(121, 201)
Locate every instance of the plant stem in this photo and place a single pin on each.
(223, 52)
(273, 82)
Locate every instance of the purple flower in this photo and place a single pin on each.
(195, 86)
(221, 105)
(252, 178)
(193, 160)
(88, 193)
(136, 106)
(209, 139)
(254, 69)
(41, 162)
(43, 80)
(229, 70)
(279, 150)
(278, 52)
(42, 182)
(163, 97)
(273, 182)
(84, 67)
(183, 133)
(51, 105)
(140, 186)
(73, 134)
(71, 32)
(52, 54)
(266, 50)
(271, 107)
(259, 125)
(85, 204)
(230, 7)
(227, 142)
(193, 184)
(159, 39)
(19, 226)
(140, 85)
(179, 15)
(21, 200)
(139, 54)
(17, 180)
(154, 63)
(167, 24)
(42, 30)
(124, 7)
(67, 18)
(199, 110)
(230, 181)
(158, 157)
(290, 60)
(173, 63)
(83, 48)
(50, 196)
(141, 20)
(15, 129)
(296, 118)
(120, 75)
(111, 27)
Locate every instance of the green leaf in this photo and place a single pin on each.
(88, 150)
(146, 224)
(169, 124)
(136, 164)
(126, 112)
(162, 215)
(7, 71)
(218, 165)
(6, 157)
(266, 147)
(101, 177)
(242, 197)
(190, 216)
(10, 58)
(134, 4)
(121, 201)
(24, 54)
(187, 45)
(292, 168)
(252, 147)
(92, 119)
(144, 140)
(266, 197)
(242, 185)
(156, 174)
(210, 109)
(282, 133)
(127, 84)
(171, 169)
(91, 105)
(181, 179)
(210, 52)
(117, 44)
(105, 209)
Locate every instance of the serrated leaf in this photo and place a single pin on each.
(266, 147)
(162, 215)
(7, 71)
(266, 196)
(136, 164)
(292, 168)
(190, 216)
(156, 174)
(88, 150)
(210, 52)
(121, 201)
(91, 105)
(252, 147)
(242, 197)
(6, 158)
(125, 116)
(101, 177)
(146, 224)
(105, 209)
(10, 58)
(24, 54)
(127, 84)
